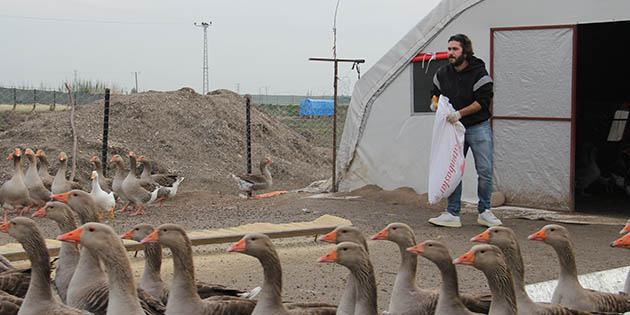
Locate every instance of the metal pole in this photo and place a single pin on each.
(248, 99)
(14, 99)
(334, 176)
(105, 131)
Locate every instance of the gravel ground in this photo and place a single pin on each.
(306, 280)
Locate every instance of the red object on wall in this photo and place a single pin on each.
(427, 56)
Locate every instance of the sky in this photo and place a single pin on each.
(256, 47)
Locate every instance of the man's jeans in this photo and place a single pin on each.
(479, 139)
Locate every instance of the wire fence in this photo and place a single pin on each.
(316, 129)
(14, 96)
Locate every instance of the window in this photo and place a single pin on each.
(423, 67)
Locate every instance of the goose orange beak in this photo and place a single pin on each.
(61, 197)
(113, 159)
(4, 227)
(625, 229)
(18, 152)
(538, 236)
(28, 152)
(622, 242)
(418, 249)
(128, 235)
(238, 247)
(10, 157)
(482, 238)
(151, 238)
(62, 156)
(93, 159)
(330, 237)
(41, 212)
(72, 237)
(331, 257)
(382, 235)
(466, 259)
(39, 153)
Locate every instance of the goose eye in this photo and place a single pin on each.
(496, 231)
(429, 245)
(137, 229)
(13, 223)
(253, 238)
(91, 229)
(394, 228)
(483, 251)
(163, 230)
(552, 230)
(345, 248)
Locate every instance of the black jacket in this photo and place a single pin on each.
(464, 87)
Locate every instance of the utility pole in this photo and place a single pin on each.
(206, 80)
(136, 75)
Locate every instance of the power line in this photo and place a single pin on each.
(54, 19)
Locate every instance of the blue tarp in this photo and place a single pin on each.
(311, 107)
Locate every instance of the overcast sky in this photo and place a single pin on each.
(254, 46)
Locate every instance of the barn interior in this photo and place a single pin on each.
(602, 150)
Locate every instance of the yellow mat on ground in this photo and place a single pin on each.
(323, 221)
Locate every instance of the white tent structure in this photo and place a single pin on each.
(530, 48)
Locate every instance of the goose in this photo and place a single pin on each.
(259, 245)
(151, 279)
(489, 259)
(121, 174)
(104, 182)
(15, 281)
(9, 304)
(102, 241)
(60, 184)
(14, 193)
(38, 193)
(69, 253)
(105, 201)
(47, 179)
(139, 192)
(354, 257)
(569, 292)
(166, 193)
(624, 242)
(346, 233)
(39, 298)
(183, 297)
(88, 289)
(449, 302)
(250, 183)
(165, 180)
(505, 239)
(407, 297)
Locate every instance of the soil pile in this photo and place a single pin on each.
(201, 137)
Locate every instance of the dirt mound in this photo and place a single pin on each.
(398, 196)
(198, 136)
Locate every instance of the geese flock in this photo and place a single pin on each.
(25, 191)
(93, 274)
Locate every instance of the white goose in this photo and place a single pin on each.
(105, 201)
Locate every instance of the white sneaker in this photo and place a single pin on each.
(446, 219)
(488, 219)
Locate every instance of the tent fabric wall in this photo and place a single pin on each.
(384, 90)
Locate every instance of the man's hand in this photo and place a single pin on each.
(453, 117)
(434, 104)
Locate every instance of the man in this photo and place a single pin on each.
(465, 81)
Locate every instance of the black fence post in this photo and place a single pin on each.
(14, 99)
(105, 131)
(34, 99)
(248, 100)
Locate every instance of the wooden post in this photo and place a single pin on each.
(336, 61)
(74, 135)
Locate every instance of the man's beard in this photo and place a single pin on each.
(457, 61)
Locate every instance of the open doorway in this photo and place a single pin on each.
(602, 148)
